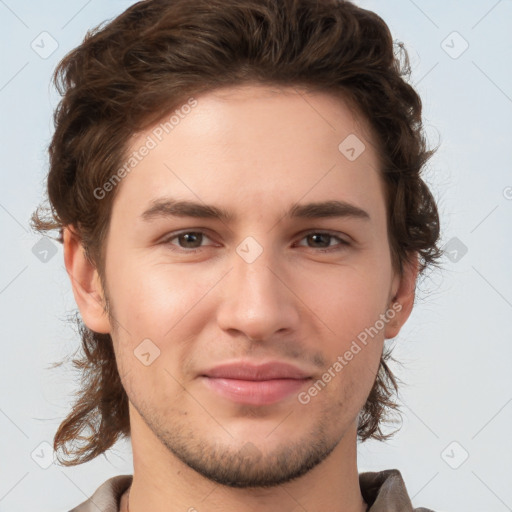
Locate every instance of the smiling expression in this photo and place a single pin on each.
(245, 237)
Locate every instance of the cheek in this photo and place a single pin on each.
(353, 338)
(150, 300)
(154, 307)
(347, 301)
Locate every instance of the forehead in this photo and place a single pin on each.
(252, 145)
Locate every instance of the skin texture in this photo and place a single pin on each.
(254, 151)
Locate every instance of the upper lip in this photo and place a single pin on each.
(248, 371)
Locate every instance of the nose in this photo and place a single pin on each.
(258, 299)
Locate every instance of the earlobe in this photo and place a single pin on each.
(85, 282)
(403, 297)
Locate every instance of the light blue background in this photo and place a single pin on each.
(456, 347)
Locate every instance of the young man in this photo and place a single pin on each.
(237, 184)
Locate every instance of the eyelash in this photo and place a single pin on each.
(342, 245)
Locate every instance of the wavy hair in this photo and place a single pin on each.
(128, 73)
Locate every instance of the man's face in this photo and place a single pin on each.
(261, 287)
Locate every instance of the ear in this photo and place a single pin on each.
(86, 283)
(402, 296)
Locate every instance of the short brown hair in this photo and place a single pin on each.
(130, 72)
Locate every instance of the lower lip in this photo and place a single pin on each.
(255, 392)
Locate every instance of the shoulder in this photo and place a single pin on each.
(107, 495)
(386, 490)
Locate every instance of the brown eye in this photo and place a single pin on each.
(190, 240)
(322, 240)
(186, 241)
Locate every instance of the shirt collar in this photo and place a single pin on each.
(385, 491)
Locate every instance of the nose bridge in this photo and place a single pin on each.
(256, 301)
(252, 267)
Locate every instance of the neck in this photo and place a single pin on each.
(162, 483)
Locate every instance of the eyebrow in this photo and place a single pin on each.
(168, 207)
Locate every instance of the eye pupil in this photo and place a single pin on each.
(191, 238)
(318, 236)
